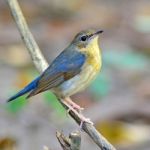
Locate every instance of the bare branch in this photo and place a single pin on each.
(41, 64)
(35, 53)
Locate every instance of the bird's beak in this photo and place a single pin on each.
(98, 32)
(95, 34)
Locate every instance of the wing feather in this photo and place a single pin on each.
(62, 69)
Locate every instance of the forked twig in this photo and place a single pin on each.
(73, 142)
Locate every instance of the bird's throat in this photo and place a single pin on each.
(93, 54)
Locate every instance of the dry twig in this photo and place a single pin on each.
(73, 142)
(41, 64)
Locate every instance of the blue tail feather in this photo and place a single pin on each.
(31, 86)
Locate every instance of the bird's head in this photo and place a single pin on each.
(86, 38)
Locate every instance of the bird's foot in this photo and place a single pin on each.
(74, 105)
(80, 116)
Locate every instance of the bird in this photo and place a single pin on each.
(71, 71)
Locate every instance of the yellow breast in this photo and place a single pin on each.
(93, 63)
(93, 53)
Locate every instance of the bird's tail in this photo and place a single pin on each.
(31, 86)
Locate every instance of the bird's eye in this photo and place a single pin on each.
(83, 38)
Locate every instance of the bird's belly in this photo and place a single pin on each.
(77, 83)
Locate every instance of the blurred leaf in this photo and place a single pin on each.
(100, 86)
(24, 77)
(111, 130)
(33, 72)
(16, 105)
(126, 59)
(123, 133)
(142, 23)
(17, 56)
(52, 101)
(7, 143)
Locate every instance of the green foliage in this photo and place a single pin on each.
(17, 105)
(51, 100)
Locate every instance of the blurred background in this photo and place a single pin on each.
(118, 101)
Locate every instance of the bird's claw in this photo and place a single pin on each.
(77, 111)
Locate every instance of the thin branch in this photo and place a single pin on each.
(41, 64)
(32, 47)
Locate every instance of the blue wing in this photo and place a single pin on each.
(65, 66)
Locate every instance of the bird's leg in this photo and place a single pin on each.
(82, 118)
(73, 104)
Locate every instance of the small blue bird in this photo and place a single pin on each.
(71, 71)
